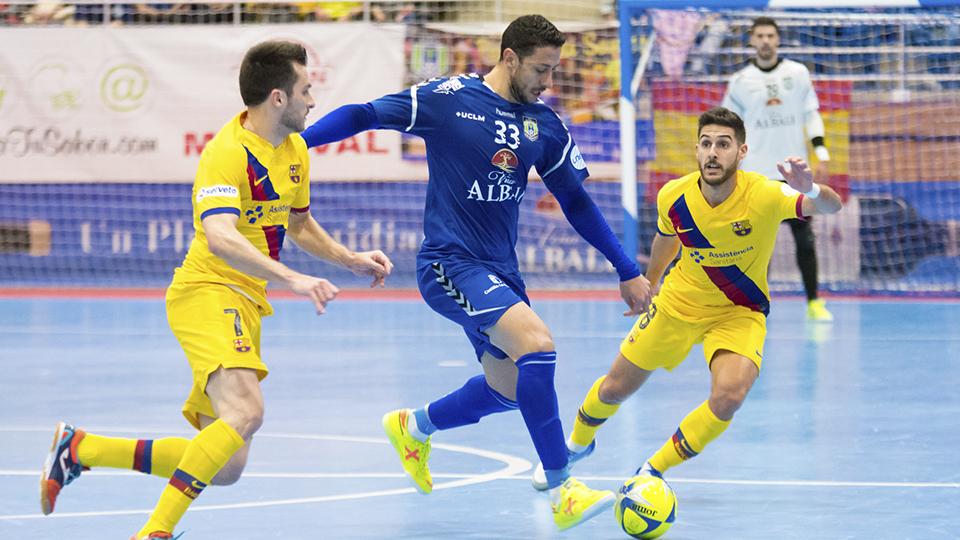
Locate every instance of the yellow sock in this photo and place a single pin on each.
(695, 432)
(592, 414)
(159, 456)
(205, 455)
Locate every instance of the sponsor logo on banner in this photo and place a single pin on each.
(55, 90)
(109, 107)
(576, 159)
(295, 173)
(742, 227)
(124, 87)
(219, 190)
(530, 129)
(505, 160)
(22, 141)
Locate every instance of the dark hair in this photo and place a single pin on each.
(268, 66)
(528, 32)
(719, 116)
(764, 21)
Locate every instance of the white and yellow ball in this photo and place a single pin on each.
(646, 507)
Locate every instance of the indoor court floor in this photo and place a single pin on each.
(851, 432)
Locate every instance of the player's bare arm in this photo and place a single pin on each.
(226, 242)
(314, 239)
(819, 199)
(662, 253)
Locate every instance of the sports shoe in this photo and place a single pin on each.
(817, 311)
(578, 503)
(539, 478)
(646, 468)
(158, 535)
(413, 453)
(61, 466)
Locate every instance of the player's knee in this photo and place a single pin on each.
(726, 401)
(614, 390)
(540, 341)
(245, 420)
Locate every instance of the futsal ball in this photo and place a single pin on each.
(646, 507)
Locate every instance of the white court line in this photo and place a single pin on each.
(514, 466)
(386, 475)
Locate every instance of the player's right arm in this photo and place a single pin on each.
(413, 110)
(666, 244)
(730, 98)
(226, 242)
(662, 253)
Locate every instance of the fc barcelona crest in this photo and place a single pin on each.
(742, 227)
(240, 345)
(530, 129)
(295, 173)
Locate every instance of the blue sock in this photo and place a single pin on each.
(537, 399)
(466, 405)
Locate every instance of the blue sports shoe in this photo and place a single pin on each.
(62, 465)
(539, 478)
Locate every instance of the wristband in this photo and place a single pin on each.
(814, 191)
(821, 153)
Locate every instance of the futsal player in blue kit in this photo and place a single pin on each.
(483, 134)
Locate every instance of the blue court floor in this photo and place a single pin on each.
(851, 432)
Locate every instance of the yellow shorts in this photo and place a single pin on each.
(217, 327)
(661, 340)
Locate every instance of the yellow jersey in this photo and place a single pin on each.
(725, 249)
(243, 174)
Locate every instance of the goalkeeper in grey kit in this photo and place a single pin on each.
(780, 109)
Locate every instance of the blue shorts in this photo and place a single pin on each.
(471, 295)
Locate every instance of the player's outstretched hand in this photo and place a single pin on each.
(371, 263)
(797, 173)
(318, 290)
(637, 293)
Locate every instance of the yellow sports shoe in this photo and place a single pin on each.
(817, 311)
(413, 453)
(578, 503)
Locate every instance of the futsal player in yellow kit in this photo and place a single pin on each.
(724, 223)
(251, 190)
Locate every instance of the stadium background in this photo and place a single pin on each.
(105, 107)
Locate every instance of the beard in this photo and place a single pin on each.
(516, 92)
(765, 54)
(727, 174)
(294, 122)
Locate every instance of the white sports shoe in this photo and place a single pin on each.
(539, 478)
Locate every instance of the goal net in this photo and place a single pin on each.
(99, 140)
(888, 82)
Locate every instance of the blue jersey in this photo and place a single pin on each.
(480, 148)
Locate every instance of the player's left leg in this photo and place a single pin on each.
(410, 431)
(469, 295)
(734, 349)
(523, 336)
(235, 396)
(807, 262)
(74, 450)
